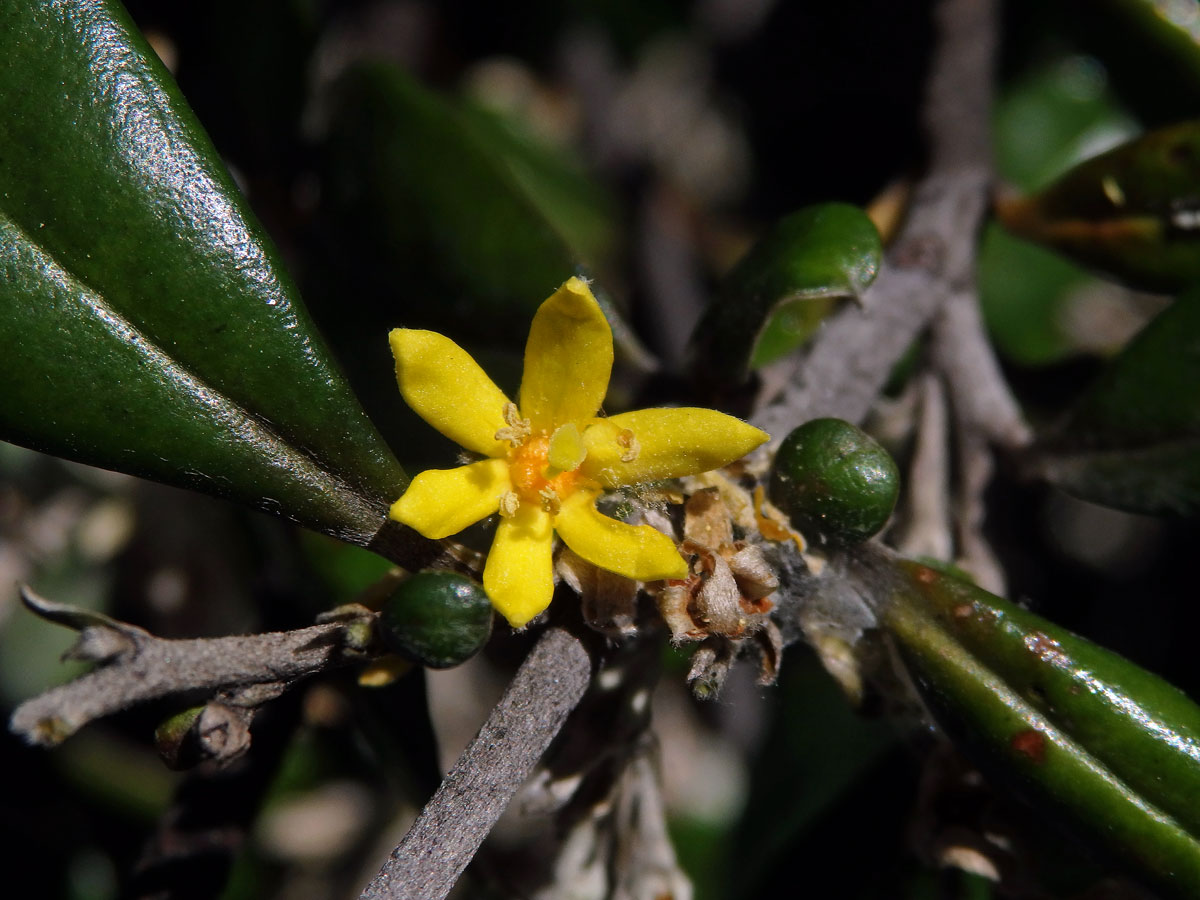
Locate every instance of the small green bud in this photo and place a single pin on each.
(436, 618)
(835, 482)
(171, 738)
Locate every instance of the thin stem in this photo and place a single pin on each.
(934, 255)
(474, 793)
(135, 666)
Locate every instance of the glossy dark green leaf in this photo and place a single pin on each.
(1082, 733)
(149, 325)
(778, 294)
(469, 216)
(1132, 213)
(1133, 441)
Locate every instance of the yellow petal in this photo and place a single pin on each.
(635, 551)
(568, 359)
(651, 444)
(442, 502)
(446, 388)
(519, 575)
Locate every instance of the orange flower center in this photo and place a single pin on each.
(532, 475)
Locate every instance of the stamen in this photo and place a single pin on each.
(509, 504)
(629, 441)
(517, 430)
(550, 501)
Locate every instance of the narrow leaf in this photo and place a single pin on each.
(1084, 735)
(1132, 213)
(1133, 441)
(478, 223)
(150, 327)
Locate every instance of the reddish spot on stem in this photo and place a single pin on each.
(963, 611)
(1031, 744)
(925, 575)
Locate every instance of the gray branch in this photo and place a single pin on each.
(134, 666)
(483, 781)
(926, 529)
(961, 351)
(934, 254)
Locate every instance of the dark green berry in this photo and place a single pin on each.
(435, 618)
(835, 482)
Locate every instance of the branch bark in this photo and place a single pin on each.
(983, 403)
(135, 666)
(934, 255)
(926, 530)
(474, 793)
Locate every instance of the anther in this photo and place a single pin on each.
(628, 441)
(509, 504)
(517, 428)
(550, 501)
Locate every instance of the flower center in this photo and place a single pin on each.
(544, 468)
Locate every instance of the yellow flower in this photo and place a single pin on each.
(548, 459)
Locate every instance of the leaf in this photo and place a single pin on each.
(150, 327)
(1054, 115)
(1133, 440)
(1083, 734)
(480, 224)
(1024, 291)
(562, 193)
(777, 295)
(1132, 213)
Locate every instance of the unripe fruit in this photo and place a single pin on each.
(835, 482)
(436, 618)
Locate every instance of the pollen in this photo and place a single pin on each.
(509, 504)
(551, 502)
(516, 429)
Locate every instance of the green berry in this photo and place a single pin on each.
(435, 618)
(835, 482)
